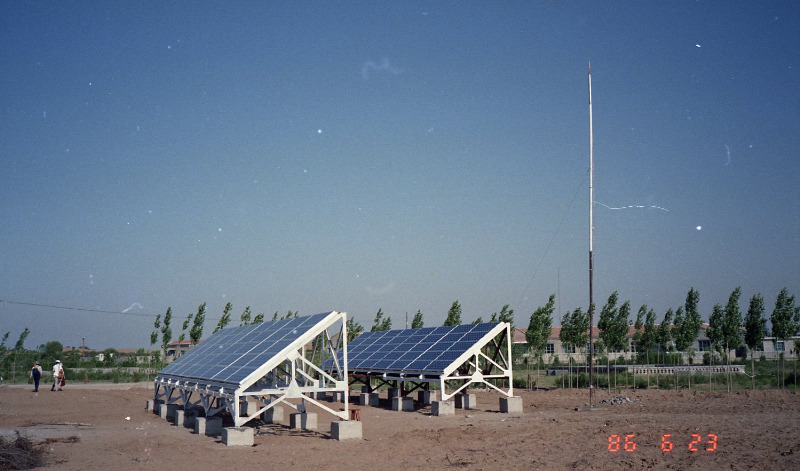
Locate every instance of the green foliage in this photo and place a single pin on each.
(540, 326)
(732, 322)
(354, 329)
(690, 328)
(479, 320)
(576, 324)
(21, 342)
(166, 331)
(245, 318)
(154, 334)
(664, 334)
(275, 316)
(3, 347)
(226, 318)
(650, 335)
(714, 332)
(380, 324)
(613, 324)
(755, 323)
(196, 333)
(51, 350)
(453, 315)
(785, 316)
(506, 315)
(259, 318)
(417, 322)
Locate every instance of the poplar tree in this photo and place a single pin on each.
(197, 327)
(354, 329)
(154, 334)
(539, 328)
(785, 318)
(225, 319)
(245, 317)
(381, 324)
(166, 331)
(690, 328)
(607, 333)
(506, 315)
(755, 325)
(417, 322)
(732, 328)
(453, 315)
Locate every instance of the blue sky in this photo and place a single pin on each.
(352, 156)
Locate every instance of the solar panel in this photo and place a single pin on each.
(232, 354)
(429, 350)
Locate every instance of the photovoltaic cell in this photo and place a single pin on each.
(232, 354)
(427, 350)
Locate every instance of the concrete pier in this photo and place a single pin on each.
(405, 404)
(511, 405)
(465, 401)
(210, 426)
(443, 408)
(346, 430)
(273, 415)
(303, 421)
(426, 397)
(238, 436)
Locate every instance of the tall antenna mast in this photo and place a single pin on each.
(591, 242)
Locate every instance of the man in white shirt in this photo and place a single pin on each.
(58, 373)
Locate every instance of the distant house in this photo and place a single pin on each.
(554, 348)
(177, 348)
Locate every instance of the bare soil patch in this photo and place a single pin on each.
(754, 430)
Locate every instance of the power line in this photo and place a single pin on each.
(68, 308)
(552, 238)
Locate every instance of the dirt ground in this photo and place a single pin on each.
(754, 430)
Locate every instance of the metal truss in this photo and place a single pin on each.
(294, 374)
(487, 363)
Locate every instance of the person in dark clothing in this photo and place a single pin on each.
(36, 374)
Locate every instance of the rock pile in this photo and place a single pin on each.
(617, 400)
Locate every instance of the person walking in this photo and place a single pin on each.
(36, 374)
(58, 375)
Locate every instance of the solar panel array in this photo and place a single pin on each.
(232, 354)
(428, 350)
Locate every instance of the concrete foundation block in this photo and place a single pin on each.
(346, 430)
(405, 404)
(374, 399)
(238, 436)
(465, 401)
(363, 399)
(338, 396)
(426, 397)
(321, 395)
(210, 426)
(365, 389)
(150, 406)
(244, 408)
(273, 415)
(167, 411)
(303, 421)
(393, 393)
(180, 417)
(511, 405)
(443, 408)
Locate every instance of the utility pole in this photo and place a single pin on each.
(591, 243)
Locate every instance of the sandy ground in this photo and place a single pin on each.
(758, 430)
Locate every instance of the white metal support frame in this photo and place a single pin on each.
(488, 362)
(289, 375)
